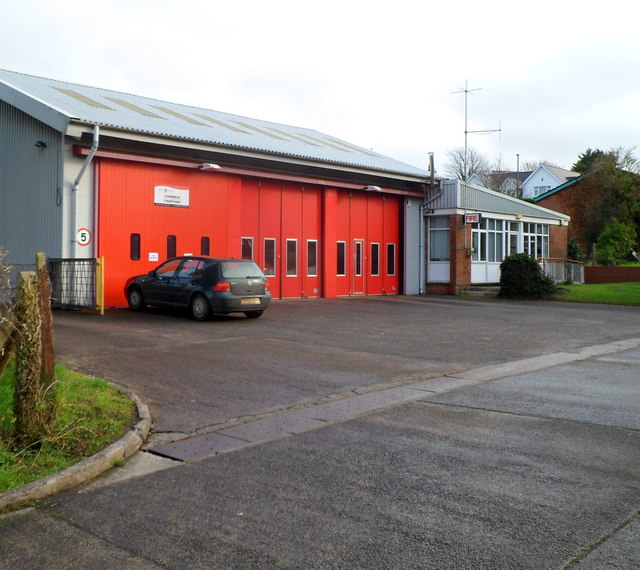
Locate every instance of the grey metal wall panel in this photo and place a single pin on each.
(412, 263)
(30, 193)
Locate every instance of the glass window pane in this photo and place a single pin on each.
(168, 269)
(375, 259)
(171, 246)
(439, 245)
(341, 268)
(269, 257)
(134, 246)
(492, 246)
(247, 248)
(292, 257)
(358, 259)
(513, 243)
(190, 268)
(475, 254)
(205, 244)
(312, 258)
(483, 246)
(439, 222)
(499, 249)
(391, 259)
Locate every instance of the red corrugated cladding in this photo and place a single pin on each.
(311, 241)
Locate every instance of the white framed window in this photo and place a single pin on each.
(269, 257)
(487, 240)
(535, 239)
(312, 258)
(357, 258)
(247, 248)
(341, 265)
(391, 259)
(375, 259)
(292, 258)
(439, 239)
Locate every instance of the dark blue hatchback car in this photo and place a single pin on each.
(203, 285)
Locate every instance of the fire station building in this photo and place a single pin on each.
(93, 173)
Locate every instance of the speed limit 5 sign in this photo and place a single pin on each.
(84, 236)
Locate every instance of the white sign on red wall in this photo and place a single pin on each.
(168, 196)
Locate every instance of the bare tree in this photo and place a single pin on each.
(461, 167)
(626, 159)
(497, 176)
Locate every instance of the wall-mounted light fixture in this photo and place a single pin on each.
(519, 216)
(210, 166)
(41, 144)
(372, 188)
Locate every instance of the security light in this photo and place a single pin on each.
(210, 166)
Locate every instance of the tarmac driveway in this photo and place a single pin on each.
(196, 376)
(529, 469)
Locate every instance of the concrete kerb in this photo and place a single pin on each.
(131, 442)
(86, 469)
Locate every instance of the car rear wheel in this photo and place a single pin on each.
(200, 308)
(253, 314)
(135, 300)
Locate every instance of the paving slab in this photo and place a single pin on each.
(599, 391)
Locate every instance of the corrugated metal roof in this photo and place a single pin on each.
(145, 115)
(462, 195)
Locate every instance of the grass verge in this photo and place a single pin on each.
(91, 414)
(612, 293)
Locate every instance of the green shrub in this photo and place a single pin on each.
(522, 278)
(615, 243)
(574, 251)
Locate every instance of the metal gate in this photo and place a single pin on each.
(77, 284)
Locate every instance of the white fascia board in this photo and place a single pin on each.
(53, 117)
(564, 220)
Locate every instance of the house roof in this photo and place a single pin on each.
(557, 188)
(456, 194)
(561, 174)
(58, 104)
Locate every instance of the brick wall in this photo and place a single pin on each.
(611, 274)
(558, 241)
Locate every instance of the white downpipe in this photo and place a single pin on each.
(76, 183)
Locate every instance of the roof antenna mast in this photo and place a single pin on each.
(466, 92)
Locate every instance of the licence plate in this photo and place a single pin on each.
(250, 301)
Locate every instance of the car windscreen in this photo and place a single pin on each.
(240, 270)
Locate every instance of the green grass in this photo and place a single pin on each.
(91, 414)
(613, 293)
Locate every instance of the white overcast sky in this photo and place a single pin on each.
(557, 76)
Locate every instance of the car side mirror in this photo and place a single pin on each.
(152, 273)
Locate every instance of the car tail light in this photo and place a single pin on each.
(222, 286)
(266, 285)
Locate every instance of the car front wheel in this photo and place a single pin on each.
(200, 308)
(135, 300)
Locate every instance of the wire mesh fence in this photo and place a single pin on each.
(74, 283)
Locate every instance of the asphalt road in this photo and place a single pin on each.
(535, 469)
